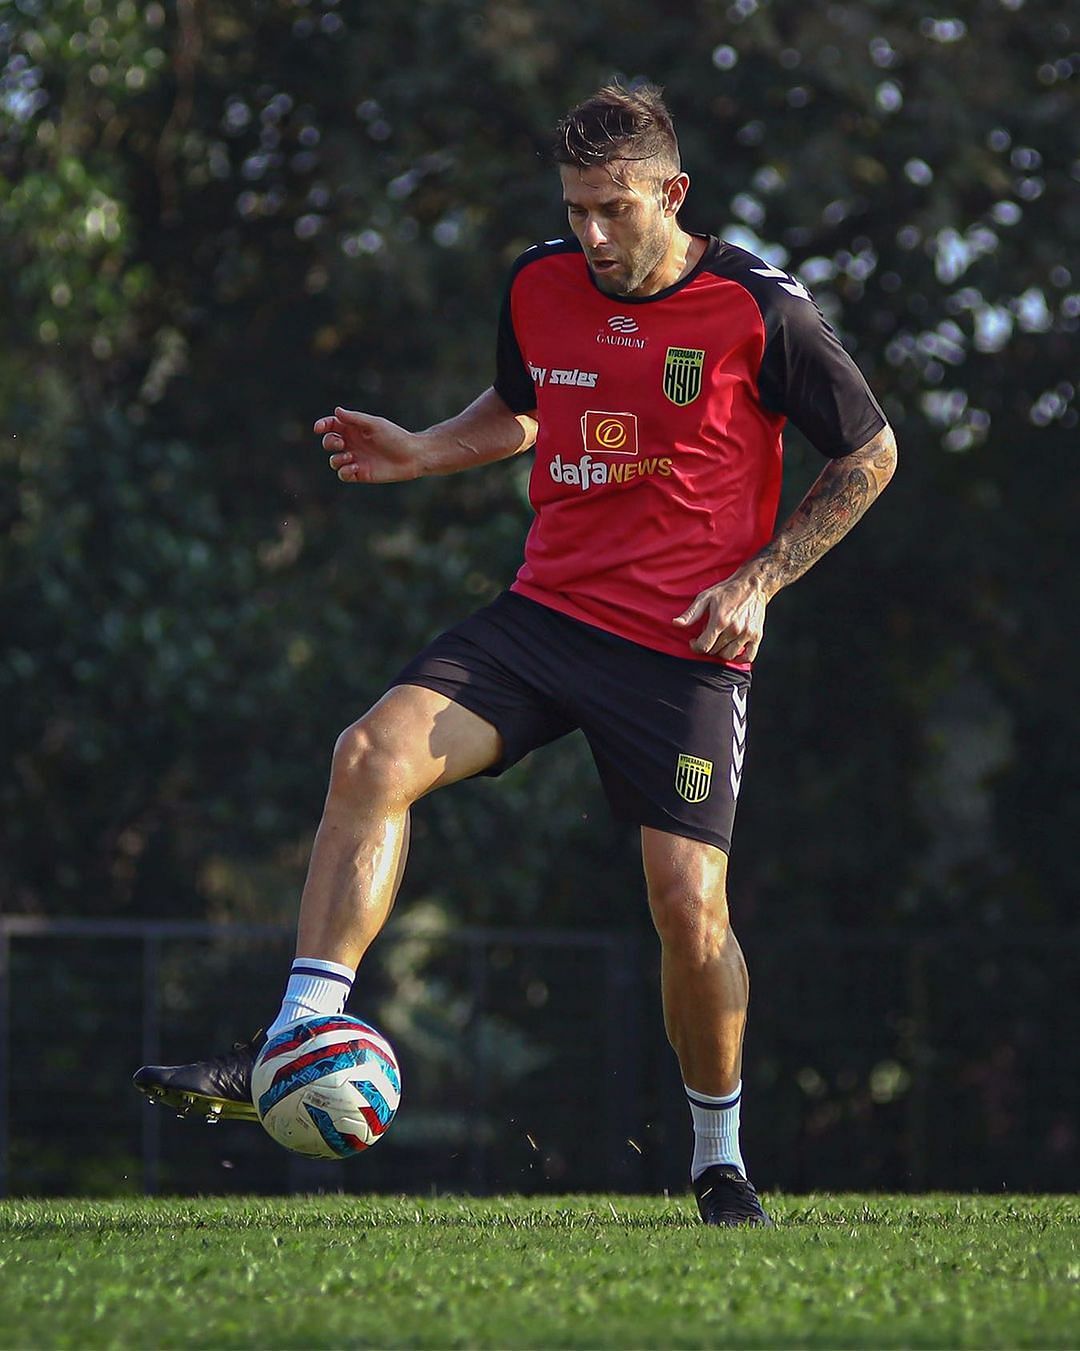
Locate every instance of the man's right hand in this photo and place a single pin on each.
(367, 449)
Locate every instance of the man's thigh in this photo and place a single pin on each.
(669, 740)
(429, 739)
(680, 866)
(497, 666)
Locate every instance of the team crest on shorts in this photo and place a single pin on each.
(693, 778)
(682, 374)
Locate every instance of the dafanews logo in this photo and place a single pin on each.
(582, 379)
(588, 473)
(608, 434)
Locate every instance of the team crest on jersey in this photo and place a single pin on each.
(682, 374)
(693, 778)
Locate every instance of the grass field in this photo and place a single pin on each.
(340, 1271)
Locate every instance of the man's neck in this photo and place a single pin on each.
(682, 257)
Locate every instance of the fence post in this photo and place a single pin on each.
(477, 1079)
(151, 1054)
(623, 1054)
(5, 1057)
(918, 1104)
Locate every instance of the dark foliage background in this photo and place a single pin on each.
(219, 219)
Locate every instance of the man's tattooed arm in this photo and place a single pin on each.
(733, 610)
(836, 500)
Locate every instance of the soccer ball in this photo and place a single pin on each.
(327, 1086)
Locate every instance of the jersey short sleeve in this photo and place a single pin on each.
(808, 376)
(513, 381)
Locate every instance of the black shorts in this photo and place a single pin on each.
(668, 734)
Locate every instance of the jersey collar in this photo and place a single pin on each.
(709, 252)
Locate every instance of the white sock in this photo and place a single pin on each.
(716, 1130)
(314, 987)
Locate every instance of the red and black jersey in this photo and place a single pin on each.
(658, 459)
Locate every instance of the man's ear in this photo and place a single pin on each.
(673, 193)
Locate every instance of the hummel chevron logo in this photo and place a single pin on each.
(738, 739)
(788, 283)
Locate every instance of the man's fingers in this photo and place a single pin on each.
(707, 639)
(358, 444)
(739, 647)
(733, 626)
(693, 611)
(723, 643)
(352, 418)
(699, 608)
(354, 473)
(340, 420)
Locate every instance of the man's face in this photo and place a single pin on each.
(624, 222)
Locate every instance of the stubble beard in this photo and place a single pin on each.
(646, 258)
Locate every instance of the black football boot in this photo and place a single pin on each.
(727, 1199)
(218, 1089)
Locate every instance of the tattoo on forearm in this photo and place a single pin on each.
(837, 499)
(828, 513)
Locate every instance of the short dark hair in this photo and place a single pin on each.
(617, 123)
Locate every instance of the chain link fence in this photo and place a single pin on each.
(535, 1060)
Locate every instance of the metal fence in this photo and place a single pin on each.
(535, 1060)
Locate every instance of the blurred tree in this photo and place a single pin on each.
(220, 219)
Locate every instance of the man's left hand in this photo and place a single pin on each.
(734, 614)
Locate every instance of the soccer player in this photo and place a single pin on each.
(651, 370)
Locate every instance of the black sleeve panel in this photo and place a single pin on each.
(805, 373)
(513, 383)
(513, 380)
(808, 376)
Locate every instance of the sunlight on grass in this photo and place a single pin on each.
(565, 1271)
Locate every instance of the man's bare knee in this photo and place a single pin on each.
(412, 741)
(368, 766)
(693, 924)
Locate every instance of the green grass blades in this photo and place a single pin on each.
(595, 1271)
